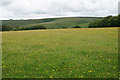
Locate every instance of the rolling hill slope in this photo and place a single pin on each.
(52, 23)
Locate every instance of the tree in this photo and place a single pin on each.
(76, 27)
(109, 21)
(6, 28)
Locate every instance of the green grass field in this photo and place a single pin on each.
(62, 53)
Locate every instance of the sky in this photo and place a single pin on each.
(38, 9)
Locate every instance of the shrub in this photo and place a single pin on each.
(38, 27)
(31, 27)
(5, 28)
(76, 27)
(35, 27)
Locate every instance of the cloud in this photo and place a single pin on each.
(56, 8)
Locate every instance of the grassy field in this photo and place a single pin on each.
(52, 23)
(62, 53)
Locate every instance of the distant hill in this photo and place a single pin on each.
(52, 23)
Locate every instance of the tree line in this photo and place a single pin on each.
(9, 28)
(109, 21)
(31, 27)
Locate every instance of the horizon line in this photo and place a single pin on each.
(55, 17)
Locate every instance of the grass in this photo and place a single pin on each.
(63, 53)
(52, 23)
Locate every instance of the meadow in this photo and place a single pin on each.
(60, 53)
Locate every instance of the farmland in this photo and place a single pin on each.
(62, 53)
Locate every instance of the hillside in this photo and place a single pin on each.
(52, 23)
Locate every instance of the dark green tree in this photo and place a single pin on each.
(6, 28)
(109, 21)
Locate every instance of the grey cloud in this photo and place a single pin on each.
(5, 2)
(50, 8)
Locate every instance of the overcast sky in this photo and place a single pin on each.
(37, 9)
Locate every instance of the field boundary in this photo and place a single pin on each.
(60, 29)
